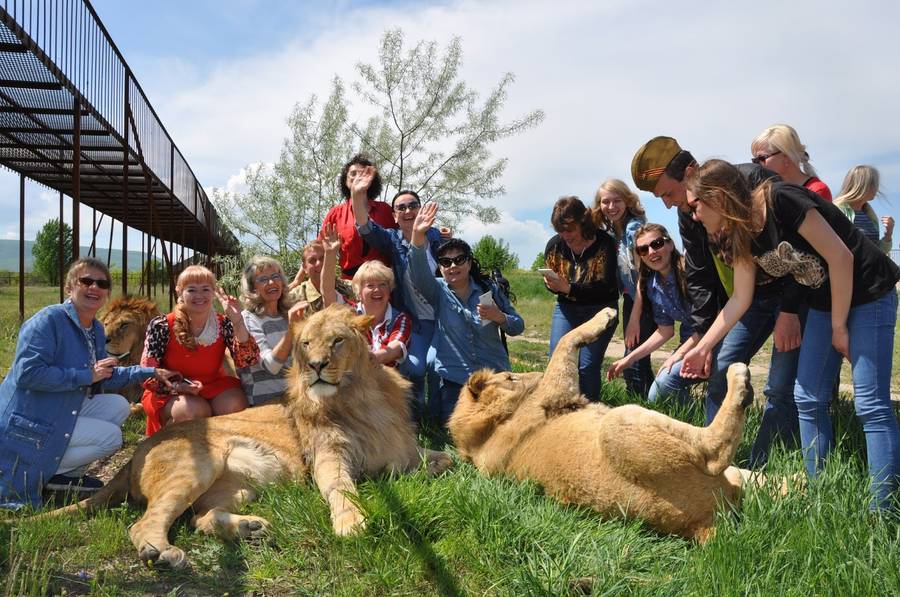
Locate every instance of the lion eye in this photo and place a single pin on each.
(337, 342)
(304, 343)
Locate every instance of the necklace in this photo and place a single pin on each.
(580, 253)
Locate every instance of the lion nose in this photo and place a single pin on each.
(318, 365)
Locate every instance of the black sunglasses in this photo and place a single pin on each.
(411, 206)
(448, 261)
(87, 282)
(762, 158)
(656, 244)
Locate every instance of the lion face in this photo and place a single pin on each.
(487, 400)
(125, 324)
(328, 347)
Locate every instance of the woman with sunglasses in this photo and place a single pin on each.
(778, 148)
(268, 314)
(661, 280)
(618, 210)
(781, 230)
(193, 339)
(470, 311)
(583, 260)
(56, 415)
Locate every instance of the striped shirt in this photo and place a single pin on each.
(265, 380)
(862, 221)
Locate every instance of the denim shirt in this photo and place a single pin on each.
(463, 345)
(668, 304)
(406, 297)
(42, 394)
(625, 249)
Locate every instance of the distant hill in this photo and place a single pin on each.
(9, 256)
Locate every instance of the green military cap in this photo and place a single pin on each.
(651, 160)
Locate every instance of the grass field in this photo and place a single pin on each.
(464, 534)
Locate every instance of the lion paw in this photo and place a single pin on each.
(252, 527)
(438, 462)
(739, 387)
(349, 522)
(171, 556)
(594, 327)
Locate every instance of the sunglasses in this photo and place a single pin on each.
(448, 261)
(762, 158)
(87, 282)
(405, 207)
(263, 280)
(656, 244)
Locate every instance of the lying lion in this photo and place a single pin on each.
(625, 461)
(343, 415)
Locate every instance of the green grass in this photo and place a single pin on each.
(465, 534)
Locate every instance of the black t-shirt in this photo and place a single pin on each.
(779, 250)
(592, 273)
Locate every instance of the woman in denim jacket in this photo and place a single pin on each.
(55, 414)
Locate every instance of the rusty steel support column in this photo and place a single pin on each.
(62, 245)
(125, 168)
(21, 248)
(76, 180)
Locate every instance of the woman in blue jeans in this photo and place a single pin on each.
(583, 260)
(780, 230)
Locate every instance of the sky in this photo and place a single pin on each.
(223, 76)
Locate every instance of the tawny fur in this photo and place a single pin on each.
(626, 461)
(125, 325)
(358, 426)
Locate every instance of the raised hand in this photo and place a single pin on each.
(330, 238)
(231, 307)
(363, 180)
(424, 220)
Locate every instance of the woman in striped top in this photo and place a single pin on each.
(859, 188)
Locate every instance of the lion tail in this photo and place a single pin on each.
(113, 493)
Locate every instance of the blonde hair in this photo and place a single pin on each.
(721, 186)
(249, 298)
(371, 270)
(783, 138)
(192, 274)
(859, 182)
(633, 207)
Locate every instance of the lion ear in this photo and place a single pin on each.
(362, 323)
(478, 381)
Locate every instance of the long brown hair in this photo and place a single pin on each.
(721, 186)
(193, 274)
(676, 261)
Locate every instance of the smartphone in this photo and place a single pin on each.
(486, 299)
(548, 272)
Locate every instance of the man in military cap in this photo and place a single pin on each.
(660, 167)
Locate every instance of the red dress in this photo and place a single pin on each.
(205, 364)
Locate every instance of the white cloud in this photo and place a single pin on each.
(526, 238)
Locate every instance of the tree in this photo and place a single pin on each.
(46, 251)
(538, 262)
(431, 135)
(494, 254)
(284, 205)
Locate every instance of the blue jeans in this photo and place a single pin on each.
(414, 367)
(639, 376)
(871, 328)
(590, 359)
(448, 397)
(669, 385)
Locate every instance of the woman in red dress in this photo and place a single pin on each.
(195, 337)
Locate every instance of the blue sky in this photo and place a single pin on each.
(224, 75)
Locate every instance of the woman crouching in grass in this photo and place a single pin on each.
(662, 282)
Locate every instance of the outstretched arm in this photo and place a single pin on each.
(332, 243)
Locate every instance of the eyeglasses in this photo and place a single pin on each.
(263, 280)
(448, 261)
(87, 282)
(656, 244)
(405, 207)
(762, 158)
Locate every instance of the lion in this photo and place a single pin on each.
(626, 461)
(125, 324)
(342, 417)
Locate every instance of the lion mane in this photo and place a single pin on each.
(626, 461)
(125, 324)
(343, 417)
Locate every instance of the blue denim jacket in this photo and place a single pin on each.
(391, 242)
(463, 345)
(42, 394)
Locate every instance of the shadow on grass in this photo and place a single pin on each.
(434, 565)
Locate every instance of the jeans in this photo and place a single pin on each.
(871, 328)
(447, 397)
(97, 432)
(568, 317)
(639, 376)
(414, 367)
(670, 385)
